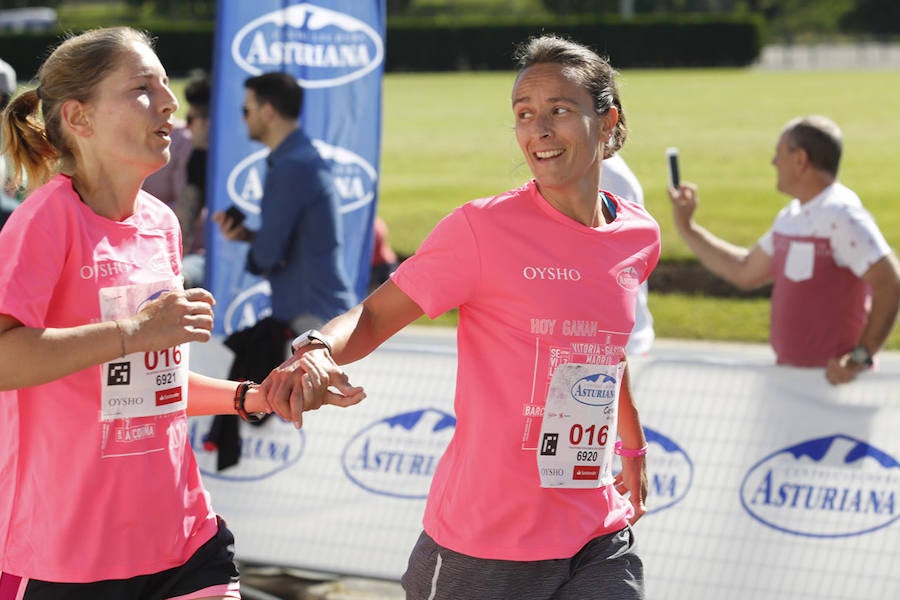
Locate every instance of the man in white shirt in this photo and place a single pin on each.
(617, 178)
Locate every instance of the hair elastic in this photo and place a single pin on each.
(631, 453)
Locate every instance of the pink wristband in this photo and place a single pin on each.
(629, 452)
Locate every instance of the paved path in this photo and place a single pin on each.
(806, 57)
(286, 584)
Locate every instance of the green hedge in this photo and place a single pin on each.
(180, 50)
(646, 42)
(414, 45)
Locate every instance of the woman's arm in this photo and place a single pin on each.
(31, 355)
(211, 396)
(356, 333)
(632, 479)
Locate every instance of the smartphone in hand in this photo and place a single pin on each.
(236, 215)
(674, 174)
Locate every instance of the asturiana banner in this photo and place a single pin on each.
(335, 49)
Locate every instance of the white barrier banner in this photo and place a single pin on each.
(765, 482)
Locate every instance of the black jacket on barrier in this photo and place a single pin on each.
(257, 350)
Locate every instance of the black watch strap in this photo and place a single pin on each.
(860, 355)
(240, 397)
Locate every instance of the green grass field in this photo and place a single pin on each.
(447, 138)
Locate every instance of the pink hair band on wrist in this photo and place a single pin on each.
(629, 452)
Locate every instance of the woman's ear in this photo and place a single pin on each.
(610, 119)
(75, 118)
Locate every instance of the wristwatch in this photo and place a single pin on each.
(308, 337)
(861, 356)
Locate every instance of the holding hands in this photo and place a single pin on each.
(306, 381)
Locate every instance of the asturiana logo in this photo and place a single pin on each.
(596, 390)
(249, 306)
(354, 178)
(834, 486)
(265, 450)
(670, 473)
(397, 456)
(329, 48)
(245, 181)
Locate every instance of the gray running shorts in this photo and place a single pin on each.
(607, 567)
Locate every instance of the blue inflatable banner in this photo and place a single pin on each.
(335, 49)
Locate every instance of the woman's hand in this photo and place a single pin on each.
(632, 481)
(306, 381)
(176, 317)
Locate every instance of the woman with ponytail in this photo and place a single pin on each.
(101, 496)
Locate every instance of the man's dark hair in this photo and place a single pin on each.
(197, 92)
(280, 90)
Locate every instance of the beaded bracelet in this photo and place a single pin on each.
(629, 452)
(240, 396)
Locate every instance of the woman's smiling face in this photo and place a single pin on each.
(557, 128)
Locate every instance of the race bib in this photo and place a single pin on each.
(578, 431)
(141, 384)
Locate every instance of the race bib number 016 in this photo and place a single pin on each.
(578, 432)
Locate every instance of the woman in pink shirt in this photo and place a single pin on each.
(545, 277)
(101, 496)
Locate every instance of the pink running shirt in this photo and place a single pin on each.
(86, 498)
(534, 289)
